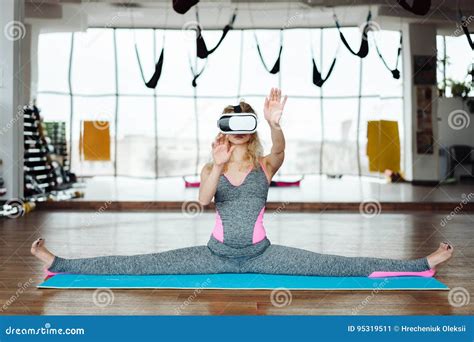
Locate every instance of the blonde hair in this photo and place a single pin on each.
(254, 146)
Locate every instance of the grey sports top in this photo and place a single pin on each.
(239, 230)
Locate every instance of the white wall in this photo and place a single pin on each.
(455, 123)
(418, 39)
(11, 120)
(456, 127)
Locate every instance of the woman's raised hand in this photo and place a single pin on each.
(221, 150)
(273, 107)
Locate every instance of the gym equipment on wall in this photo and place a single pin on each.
(182, 6)
(201, 48)
(43, 170)
(395, 72)
(418, 7)
(364, 43)
(276, 67)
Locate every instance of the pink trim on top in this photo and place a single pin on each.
(265, 170)
(258, 229)
(218, 231)
(243, 179)
(426, 274)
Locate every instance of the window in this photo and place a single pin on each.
(455, 60)
(168, 131)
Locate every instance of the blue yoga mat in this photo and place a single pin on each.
(240, 282)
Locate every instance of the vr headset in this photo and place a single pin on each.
(237, 122)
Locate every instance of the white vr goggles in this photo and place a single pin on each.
(237, 122)
(241, 123)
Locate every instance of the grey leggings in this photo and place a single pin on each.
(200, 259)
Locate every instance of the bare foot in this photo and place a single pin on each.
(442, 254)
(41, 252)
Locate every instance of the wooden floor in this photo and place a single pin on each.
(79, 234)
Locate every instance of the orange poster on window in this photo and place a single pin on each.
(383, 146)
(94, 143)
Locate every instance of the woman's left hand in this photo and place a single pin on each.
(273, 108)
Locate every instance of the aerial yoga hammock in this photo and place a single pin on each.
(201, 48)
(419, 7)
(182, 6)
(152, 83)
(276, 67)
(158, 67)
(364, 44)
(318, 79)
(395, 72)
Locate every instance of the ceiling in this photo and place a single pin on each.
(58, 15)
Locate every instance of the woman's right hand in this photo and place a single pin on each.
(221, 150)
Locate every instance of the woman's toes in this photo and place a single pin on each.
(445, 246)
(34, 246)
(37, 244)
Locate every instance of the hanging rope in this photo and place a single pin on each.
(395, 72)
(318, 79)
(201, 48)
(194, 71)
(364, 44)
(419, 7)
(465, 29)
